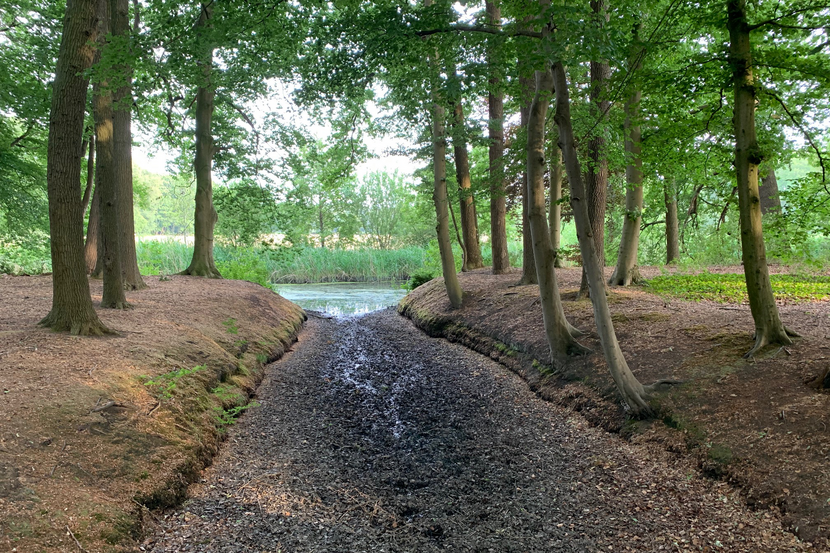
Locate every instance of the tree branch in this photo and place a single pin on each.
(480, 29)
(22, 137)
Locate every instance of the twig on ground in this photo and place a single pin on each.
(107, 405)
(81, 547)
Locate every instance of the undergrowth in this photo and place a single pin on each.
(731, 288)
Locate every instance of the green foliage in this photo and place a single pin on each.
(165, 385)
(335, 265)
(25, 255)
(246, 212)
(731, 288)
(418, 278)
(230, 326)
(242, 263)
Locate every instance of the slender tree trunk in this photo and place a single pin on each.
(528, 260)
(627, 272)
(768, 190)
(90, 174)
(768, 326)
(555, 213)
(321, 221)
(92, 231)
(596, 182)
(113, 295)
(632, 391)
(123, 151)
(498, 205)
(672, 224)
(560, 334)
(205, 218)
(71, 303)
(439, 195)
(469, 228)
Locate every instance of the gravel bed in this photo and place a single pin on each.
(372, 436)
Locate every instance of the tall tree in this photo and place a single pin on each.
(748, 156)
(71, 303)
(113, 294)
(495, 103)
(469, 225)
(555, 196)
(202, 263)
(122, 149)
(672, 222)
(529, 271)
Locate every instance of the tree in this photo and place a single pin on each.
(495, 103)
(768, 326)
(385, 200)
(529, 269)
(202, 263)
(469, 224)
(71, 303)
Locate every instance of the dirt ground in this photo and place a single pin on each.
(372, 436)
(759, 424)
(95, 430)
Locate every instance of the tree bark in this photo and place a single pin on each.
(92, 231)
(560, 334)
(71, 303)
(90, 174)
(123, 151)
(202, 263)
(469, 228)
(627, 272)
(596, 181)
(768, 326)
(110, 257)
(529, 275)
(555, 213)
(768, 190)
(498, 206)
(632, 391)
(672, 224)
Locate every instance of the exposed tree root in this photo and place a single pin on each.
(763, 339)
(117, 305)
(61, 323)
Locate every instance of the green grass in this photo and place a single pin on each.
(335, 265)
(731, 288)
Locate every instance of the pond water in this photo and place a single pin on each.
(343, 298)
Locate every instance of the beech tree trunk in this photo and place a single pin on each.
(672, 224)
(528, 260)
(632, 391)
(768, 190)
(90, 174)
(498, 206)
(92, 233)
(469, 228)
(71, 303)
(768, 326)
(439, 195)
(202, 263)
(123, 151)
(110, 257)
(560, 334)
(555, 213)
(627, 271)
(596, 181)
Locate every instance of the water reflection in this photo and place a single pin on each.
(343, 298)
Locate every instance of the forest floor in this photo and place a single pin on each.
(759, 424)
(95, 430)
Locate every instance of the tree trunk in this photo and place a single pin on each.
(205, 218)
(555, 213)
(123, 151)
(469, 228)
(90, 174)
(672, 224)
(627, 272)
(596, 181)
(560, 334)
(529, 275)
(113, 295)
(498, 206)
(770, 197)
(768, 326)
(439, 195)
(632, 391)
(92, 231)
(71, 303)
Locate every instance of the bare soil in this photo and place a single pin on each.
(372, 436)
(760, 424)
(93, 431)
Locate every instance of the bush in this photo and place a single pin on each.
(418, 278)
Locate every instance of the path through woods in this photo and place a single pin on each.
(372, 436)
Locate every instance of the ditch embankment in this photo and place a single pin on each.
(759, 423)
(97, 432)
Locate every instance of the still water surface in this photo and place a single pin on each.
(343, 298)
